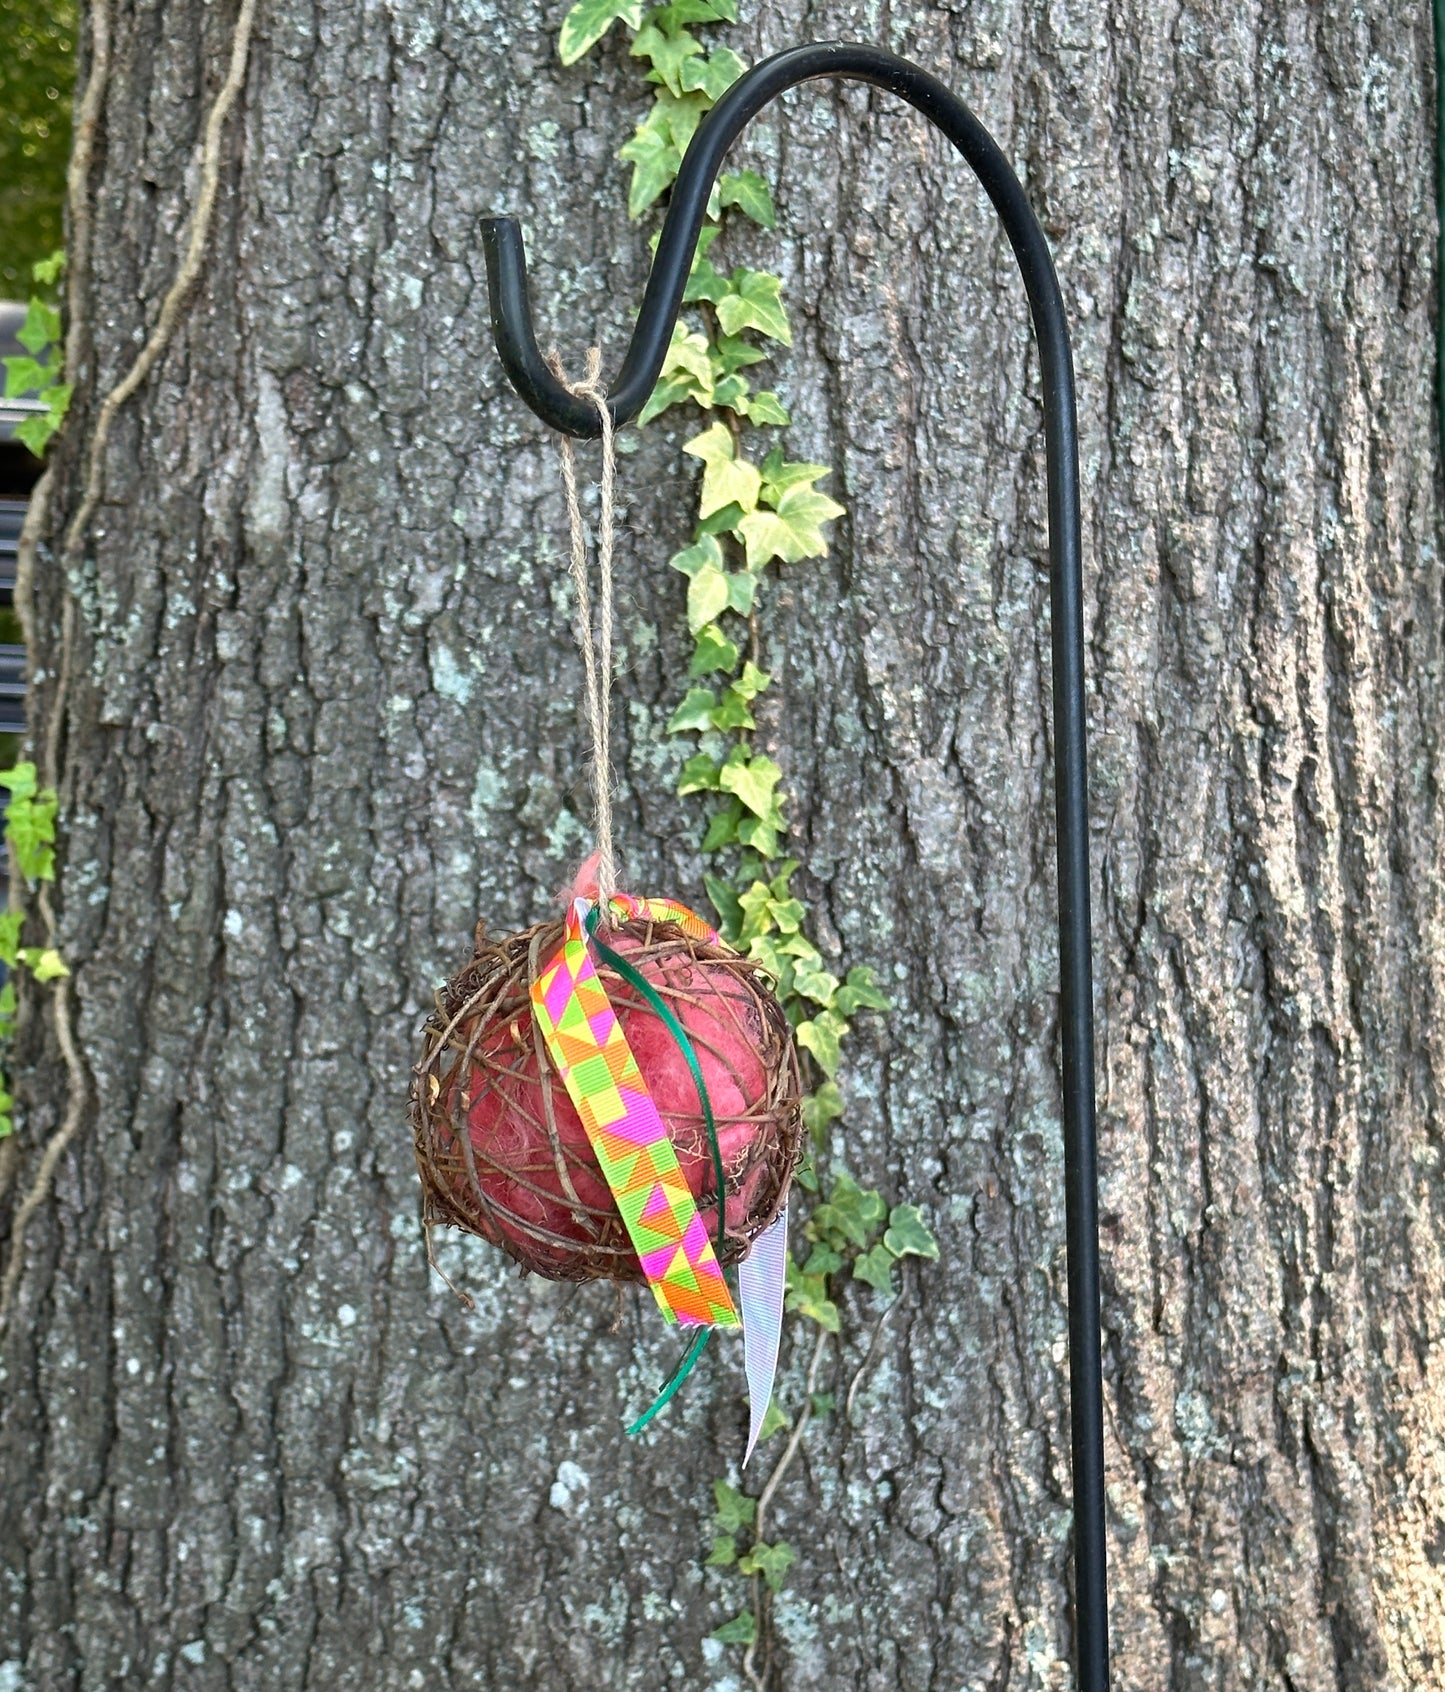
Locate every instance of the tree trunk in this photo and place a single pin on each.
(323, 711)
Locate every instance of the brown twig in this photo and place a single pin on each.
(92, 486)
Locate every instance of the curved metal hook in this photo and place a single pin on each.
(517, 345)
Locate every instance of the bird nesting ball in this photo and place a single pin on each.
(501, 1149)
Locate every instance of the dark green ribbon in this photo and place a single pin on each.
(655, 1002)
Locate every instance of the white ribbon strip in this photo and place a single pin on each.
(762, 1276)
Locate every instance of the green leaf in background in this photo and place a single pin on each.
(726, 903)
(714, 75)
(727, 479)
(589, 20)
(735, 1510)
(875, 1267)
(714, 652)
(859, 993)
(754, 302)
(823, 1037)
(722, 827)
(772, 1562)
(44, 963)
(790, 532)
(707, 598)
(908, 1234)
(695, 712)
(746, 190)
(753, 781)
(752, 681)
(821, 1107)
(668, 51)
(732, 712)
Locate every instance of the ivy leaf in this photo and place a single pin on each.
(752, 681)
(724, 1552)
(707, 598)
(766, 407)
(823, 1037)
(46, 964)
(722, 827)
(908, 1234)
(714, 652)
(753, 781)
(687, 355)
(655, 158)
(764, 950)
(862, 1202)
(742, 590)
(727, 479)
(732, 712)
(657, 145)
(589, 20)
(790, 532)
(746, 190)
(670, 391)
(816, 984)
(823, 1260)
(25, 376)
(735, 1510)
(807, 1294)
(732, 391)
(754, 302)
(780, 474)
(692, 558)
(714, 75)
(822, 1107)
(859, 993)
(875, 1267)
(47, 271)
(698, 11)
(772, 1562)
(35, 431)
(11, 922)
(756, 908)
(699, 775)
(669, 52)
(726, 903)
(733, 354)
(788, 913)
(741, 1630)
(21, 779)
(774, 1421)
(41, 327)
(695, 712)
(704, 282)
(764, 834)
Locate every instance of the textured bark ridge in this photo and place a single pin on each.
(324, 712)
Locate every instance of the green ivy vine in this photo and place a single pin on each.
(40, 370)
(30, 837)
(757, 508)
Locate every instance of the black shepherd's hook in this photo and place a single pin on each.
(517, 344)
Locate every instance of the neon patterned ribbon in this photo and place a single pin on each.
(586, 1042)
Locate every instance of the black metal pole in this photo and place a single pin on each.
(517, 345)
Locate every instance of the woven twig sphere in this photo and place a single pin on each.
(501, 1150)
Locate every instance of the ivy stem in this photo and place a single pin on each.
(868, 1356)
(765, 1497)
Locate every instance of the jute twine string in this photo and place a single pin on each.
(595, 642)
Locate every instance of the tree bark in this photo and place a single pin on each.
(324, 712)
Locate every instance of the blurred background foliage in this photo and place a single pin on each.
(37, 73)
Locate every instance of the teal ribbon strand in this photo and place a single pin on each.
(655, 1002)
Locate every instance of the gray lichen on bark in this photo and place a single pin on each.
(326, 713)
